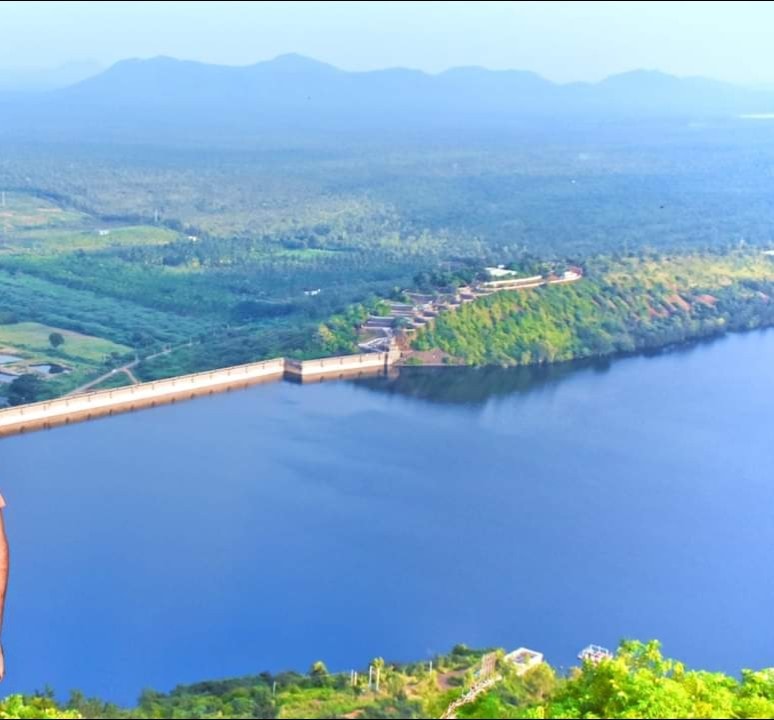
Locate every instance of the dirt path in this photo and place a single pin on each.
(126, 369)
(471, 695)
(131, 375)
(89, 385)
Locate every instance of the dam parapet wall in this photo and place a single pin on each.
(85, 406)
(342, 366)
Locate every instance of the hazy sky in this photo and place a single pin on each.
(561, 40)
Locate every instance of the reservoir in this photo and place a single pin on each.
(267, 528)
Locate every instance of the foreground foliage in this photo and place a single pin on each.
(637, 683)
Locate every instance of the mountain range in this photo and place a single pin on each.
(166, 98)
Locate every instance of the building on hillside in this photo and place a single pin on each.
(524, 659)
(499, 272)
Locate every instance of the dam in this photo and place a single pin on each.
(90, 405)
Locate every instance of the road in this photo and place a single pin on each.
(92, 383)
(126, 369)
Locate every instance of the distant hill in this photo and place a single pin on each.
(168, 98)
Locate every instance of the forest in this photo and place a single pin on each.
(637, 681)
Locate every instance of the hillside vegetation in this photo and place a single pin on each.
(620, 306)
(637, 682)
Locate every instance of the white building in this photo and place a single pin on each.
(499, 272)
(524, 659)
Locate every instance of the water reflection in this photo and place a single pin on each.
(475, 386)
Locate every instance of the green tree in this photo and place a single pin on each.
(318, 673)
(640, 682)
(56, 339)
(25, 389)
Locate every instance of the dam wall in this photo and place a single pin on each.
(343, 366)
(74, 408)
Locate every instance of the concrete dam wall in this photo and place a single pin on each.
(342, 366)
(95, 404)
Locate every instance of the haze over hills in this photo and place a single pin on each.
(35, 79)
(163, 98)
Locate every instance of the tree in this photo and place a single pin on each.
(56, 339)
(318, 673)
(318, 669)
(25, 389)
(639, 682)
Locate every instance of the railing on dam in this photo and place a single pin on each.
(106, 402)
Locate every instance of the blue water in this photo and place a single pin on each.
(268, 528)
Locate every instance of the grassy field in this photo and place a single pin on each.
(53, 240)
(31, 338)
(82, 356)
(23, 212)
(120, 379)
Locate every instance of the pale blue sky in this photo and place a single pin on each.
(561, 40)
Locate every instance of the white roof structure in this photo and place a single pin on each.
(595, 654)
(524, 659)
(499, 271)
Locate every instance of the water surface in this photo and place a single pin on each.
(271, 527)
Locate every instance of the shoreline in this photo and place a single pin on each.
(678, 346)
(53, 413)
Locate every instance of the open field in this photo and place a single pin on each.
(32, 338)
(23, 211)
(81, 356)
(52, 240)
